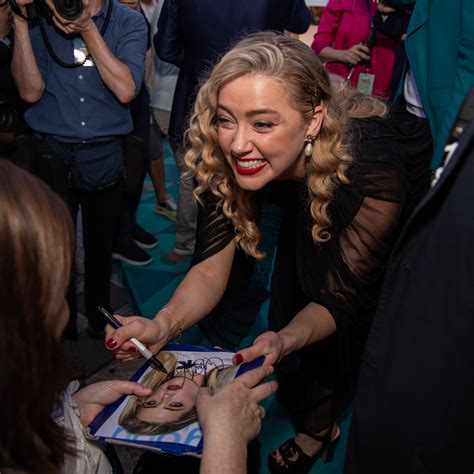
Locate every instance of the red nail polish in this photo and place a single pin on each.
(238, 359)
(111, 343)
(132, 349)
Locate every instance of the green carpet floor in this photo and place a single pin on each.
(152, 286)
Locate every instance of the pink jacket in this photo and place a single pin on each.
(345, 23)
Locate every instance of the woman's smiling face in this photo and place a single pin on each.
(260, 133)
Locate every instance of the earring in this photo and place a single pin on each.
(308, 149)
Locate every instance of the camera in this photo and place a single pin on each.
(68, 9)
(8, 117)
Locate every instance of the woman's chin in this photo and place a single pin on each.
(253, 182)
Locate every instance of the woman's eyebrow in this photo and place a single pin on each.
(250, 113)
(174, 409)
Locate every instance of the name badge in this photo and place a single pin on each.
(81, 52)
(365, 83)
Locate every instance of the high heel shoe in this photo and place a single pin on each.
(303, 463)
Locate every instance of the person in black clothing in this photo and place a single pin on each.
(268, 113)
(413, 409)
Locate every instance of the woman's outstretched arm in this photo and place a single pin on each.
(195, 297)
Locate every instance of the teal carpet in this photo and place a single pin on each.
(153, 285)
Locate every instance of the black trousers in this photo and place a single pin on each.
(100, 219)
(135, 171)
(137, 157)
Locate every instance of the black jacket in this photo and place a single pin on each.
(414, 406)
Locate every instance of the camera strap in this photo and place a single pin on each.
(50, 49)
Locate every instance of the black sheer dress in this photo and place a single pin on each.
(389, 175)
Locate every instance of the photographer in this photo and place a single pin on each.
(80, 115)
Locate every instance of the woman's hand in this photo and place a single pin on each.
(268, 344)
(355, 55)
(234, 411)
(93, 398)
(154, 333)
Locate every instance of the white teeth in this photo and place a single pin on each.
(250, 163)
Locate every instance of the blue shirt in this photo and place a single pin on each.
(76, 104)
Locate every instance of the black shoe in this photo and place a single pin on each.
(143, 238)
(303, 463)
(131, 253)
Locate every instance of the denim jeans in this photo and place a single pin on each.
(186, 214)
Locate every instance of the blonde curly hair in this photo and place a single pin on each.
(307, 84)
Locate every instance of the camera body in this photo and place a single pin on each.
(68, 9)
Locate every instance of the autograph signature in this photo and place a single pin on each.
(199, 366)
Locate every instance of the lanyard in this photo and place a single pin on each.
(372, 34)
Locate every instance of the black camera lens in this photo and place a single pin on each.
(69, 9)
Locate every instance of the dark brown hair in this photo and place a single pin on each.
(36, 244)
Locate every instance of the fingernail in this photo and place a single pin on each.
(132, 349)
(238, 359)
(111, 343)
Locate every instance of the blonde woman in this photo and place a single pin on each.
(267, 113)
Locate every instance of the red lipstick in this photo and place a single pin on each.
(249, 171)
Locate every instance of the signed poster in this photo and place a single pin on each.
(166, 420)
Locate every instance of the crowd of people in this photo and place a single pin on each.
(361, 143)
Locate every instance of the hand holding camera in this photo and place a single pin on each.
(70, 26)
(25, 10)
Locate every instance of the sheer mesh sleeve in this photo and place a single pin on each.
(214, 230)
(346, 273)
(352, 286)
